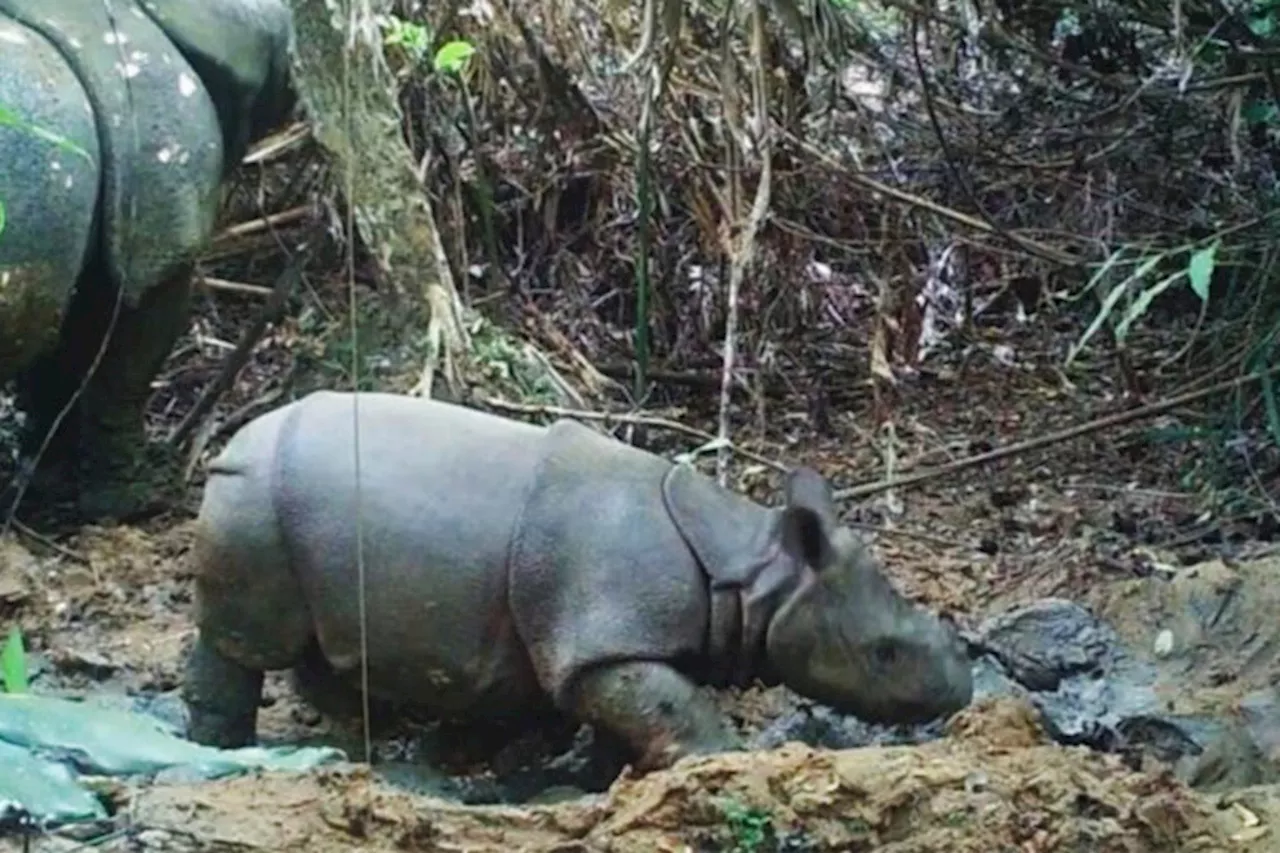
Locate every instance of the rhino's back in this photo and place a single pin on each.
(49, 191)
(240, 49)
(162, 153)
(441, 486)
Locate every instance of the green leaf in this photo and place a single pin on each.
(452, 56)
(8, 118)
(412, 37)
(1200, 270)
(1259, 111)
(1113, 297)
(13, 663)
(1, 216)
(1143, 302)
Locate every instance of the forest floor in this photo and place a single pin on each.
(1071, 521)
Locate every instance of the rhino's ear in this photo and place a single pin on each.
(805, 536)
(808, 489)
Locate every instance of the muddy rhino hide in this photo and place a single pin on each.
(611, 600)
(562, 565)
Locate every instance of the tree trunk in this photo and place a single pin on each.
(351, 101)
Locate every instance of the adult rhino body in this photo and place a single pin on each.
(155, 101)
(508, 564)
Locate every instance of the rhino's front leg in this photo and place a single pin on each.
(658, 711)
(222, 698)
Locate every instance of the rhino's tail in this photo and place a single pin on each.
(249, 603)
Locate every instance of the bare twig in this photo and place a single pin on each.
(1030, 246)
(240, 355)
(234, 286)
(745, 251)
(278, 144)
(62, 550)
(906, 534)
(264, 223)
(950, 159)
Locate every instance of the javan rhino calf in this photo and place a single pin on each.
(158, 100)
(508, 564)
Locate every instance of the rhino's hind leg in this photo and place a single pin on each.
(121, 475)
(319, 685)
(44, 389)
(250, 610)
(656, 710)
(222, 698)
(105, 433)
(45, 472)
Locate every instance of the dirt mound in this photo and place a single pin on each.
(995, 785)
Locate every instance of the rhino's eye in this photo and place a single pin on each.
(885, 653)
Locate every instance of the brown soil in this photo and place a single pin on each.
(994, 785)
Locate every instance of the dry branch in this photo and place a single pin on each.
(266, 223)
(608, 418)
(234, 286)
(278, 144)
(240, 355)
(745, 251)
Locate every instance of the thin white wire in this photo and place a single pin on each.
(352, 24)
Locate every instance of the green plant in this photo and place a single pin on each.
(452, 56)
(751, 828)
(510, 364)
(1198, 272)
(13, 663)
(1262, 18)
(325, 360)
(413, 38)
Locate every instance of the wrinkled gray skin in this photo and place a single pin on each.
(163, 97)
(508, 564)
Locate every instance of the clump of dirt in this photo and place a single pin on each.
(996, 784)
